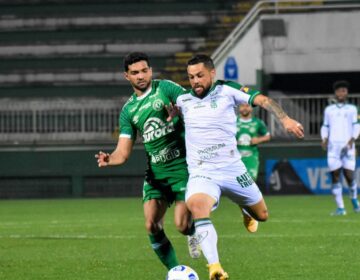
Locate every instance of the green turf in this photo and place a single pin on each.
(105, 239)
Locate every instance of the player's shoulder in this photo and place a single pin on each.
(230, 84)
(128, 105)
(330, 107)
(352, 106)
(166, 83)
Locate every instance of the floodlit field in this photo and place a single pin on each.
(105, 239)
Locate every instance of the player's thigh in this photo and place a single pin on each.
(334, 163)
(182, 216)
(240, 187)
(202, 191)
(154, 213)
(154, 203)
(349, 162)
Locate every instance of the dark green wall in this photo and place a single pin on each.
(33, 172)
(67, 172)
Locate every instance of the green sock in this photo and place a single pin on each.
(191, 229)
(163, 248)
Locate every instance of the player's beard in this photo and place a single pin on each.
(145, 85)
(245, 114)
(203, 92)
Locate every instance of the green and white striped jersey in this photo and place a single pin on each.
(246, 130)
(163, 140)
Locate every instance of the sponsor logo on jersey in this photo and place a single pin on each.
(189, 99)
(145, 106)
(133, 109)
(135, 119)
(155, 128)
(245, 180)
(210, 152)
(246, 153)
(158, 105)
(200, 176)
(199, 105)
(244, 140)
(165, 155)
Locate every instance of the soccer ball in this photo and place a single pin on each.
(182, 272)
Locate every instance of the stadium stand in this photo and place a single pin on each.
(75, 47)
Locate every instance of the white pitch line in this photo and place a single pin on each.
(127, 237)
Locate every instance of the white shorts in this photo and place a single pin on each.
(232, 181)
(336, 159)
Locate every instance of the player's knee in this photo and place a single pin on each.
(182, 226)
(198, 210)
(152, 227)
(263, 216)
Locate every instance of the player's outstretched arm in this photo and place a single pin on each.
(119, 156)
(290, 125)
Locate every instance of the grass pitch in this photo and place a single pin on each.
(105, 239)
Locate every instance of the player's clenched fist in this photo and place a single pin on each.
(102, 159)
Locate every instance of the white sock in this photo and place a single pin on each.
(337, 192)
(353, 190)
(207, 238)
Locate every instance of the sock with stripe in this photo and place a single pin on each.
(337, 192)
(353, 190)
(163, 249)
(207, 238)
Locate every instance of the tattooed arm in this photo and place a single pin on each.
(290, 125)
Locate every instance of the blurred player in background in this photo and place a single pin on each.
(166, 175)
(251, 131)
(214, 162)
(339, 131)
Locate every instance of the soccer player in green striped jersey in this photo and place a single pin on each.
(166, 175)
(251, 131)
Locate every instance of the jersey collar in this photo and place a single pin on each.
(146, 93)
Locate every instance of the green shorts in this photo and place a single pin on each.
(168, 186)
(252, 166)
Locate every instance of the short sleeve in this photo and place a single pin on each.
(126, 127)
(171, 90)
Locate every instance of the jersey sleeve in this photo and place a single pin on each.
(171, 90)
(126, 127)
(324, 131)
(356, 124)
(242, 94)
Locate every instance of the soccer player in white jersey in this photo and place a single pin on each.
(214, 161)
(338, 133)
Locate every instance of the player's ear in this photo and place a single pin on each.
(126, 76)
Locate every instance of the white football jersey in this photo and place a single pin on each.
(340, 123)
(210, 125)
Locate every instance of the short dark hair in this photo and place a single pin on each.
(341, 84)
(134, 57)
(202, 58)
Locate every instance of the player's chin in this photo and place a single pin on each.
(198, 90)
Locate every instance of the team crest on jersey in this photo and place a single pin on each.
(213, 103)
(158, 105)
